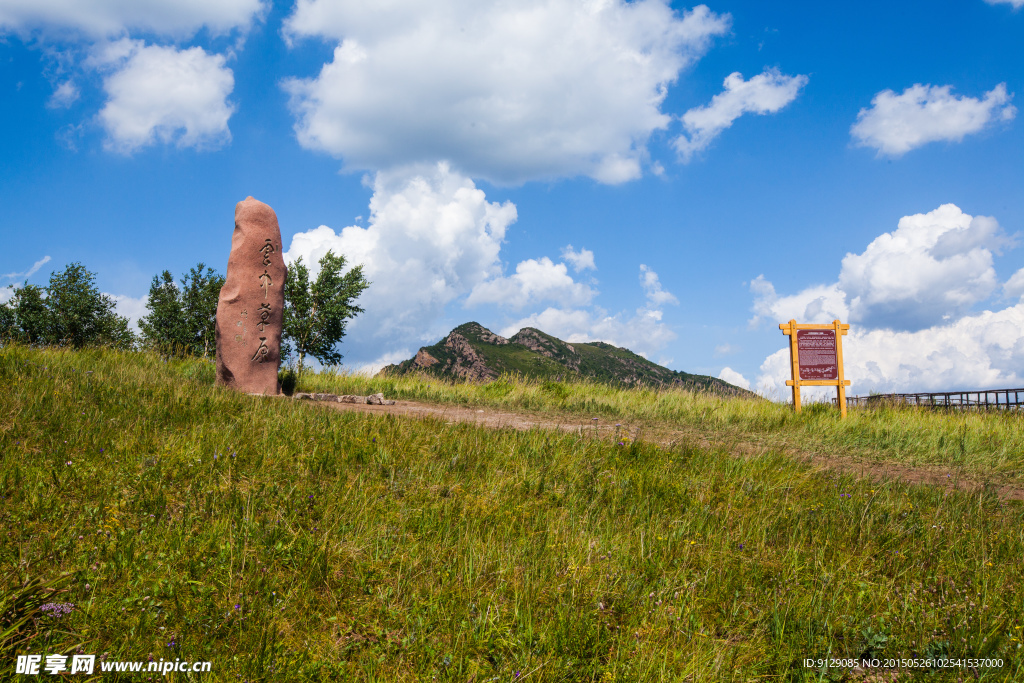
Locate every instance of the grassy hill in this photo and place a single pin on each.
(284, 541)
(473, 352)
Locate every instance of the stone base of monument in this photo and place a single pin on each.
(372, 399)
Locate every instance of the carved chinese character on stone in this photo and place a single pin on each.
(264, 313)
(256, 273)
(266, 282)
(267, 249)
(262, 351)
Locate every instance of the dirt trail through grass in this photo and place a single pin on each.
(740, 445)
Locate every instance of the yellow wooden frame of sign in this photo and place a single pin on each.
(840, 384)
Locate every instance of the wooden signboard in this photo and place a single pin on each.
(816, 356)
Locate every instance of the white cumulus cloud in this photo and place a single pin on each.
(163, 94)
(580, 260)
(535, 280)
(64, 95)
(155, 93)
(896, 124)
(983, 351)
(433, 240)
(642, 332)
(1014, 287)
(432, 237)
(815, 304)
(909, 298)
(652, 288)
(732, 377)
(133, 308)
(111, 18)
(932, 269)
(504, 91)
(765, 93)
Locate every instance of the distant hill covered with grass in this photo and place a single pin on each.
(473, 352)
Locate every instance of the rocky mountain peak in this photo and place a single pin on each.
(473, 352)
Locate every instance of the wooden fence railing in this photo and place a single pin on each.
(993, 399)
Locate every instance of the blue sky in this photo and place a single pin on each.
(672, 178)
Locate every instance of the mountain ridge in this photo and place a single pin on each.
(473, 352)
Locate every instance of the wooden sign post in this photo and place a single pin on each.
(816, 356)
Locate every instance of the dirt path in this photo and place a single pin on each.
(874, 470)
(489, 417)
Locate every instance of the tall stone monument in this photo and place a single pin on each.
(251, 304)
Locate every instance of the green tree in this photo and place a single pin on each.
(162, 327)
(200, 292)
(24, 317)
(69, 311)
(78, 314)
(316, 313)
(183, 319)
(7, 322)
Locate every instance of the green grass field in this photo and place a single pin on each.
(285, 541)
(987, 447)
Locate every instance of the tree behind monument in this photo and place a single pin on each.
(182, 318)
(316, 313)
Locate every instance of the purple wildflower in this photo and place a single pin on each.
(57, 609)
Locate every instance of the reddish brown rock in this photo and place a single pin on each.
(468, 364)
(424, 360)
(249, 311)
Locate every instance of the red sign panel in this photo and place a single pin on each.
(817, 354)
